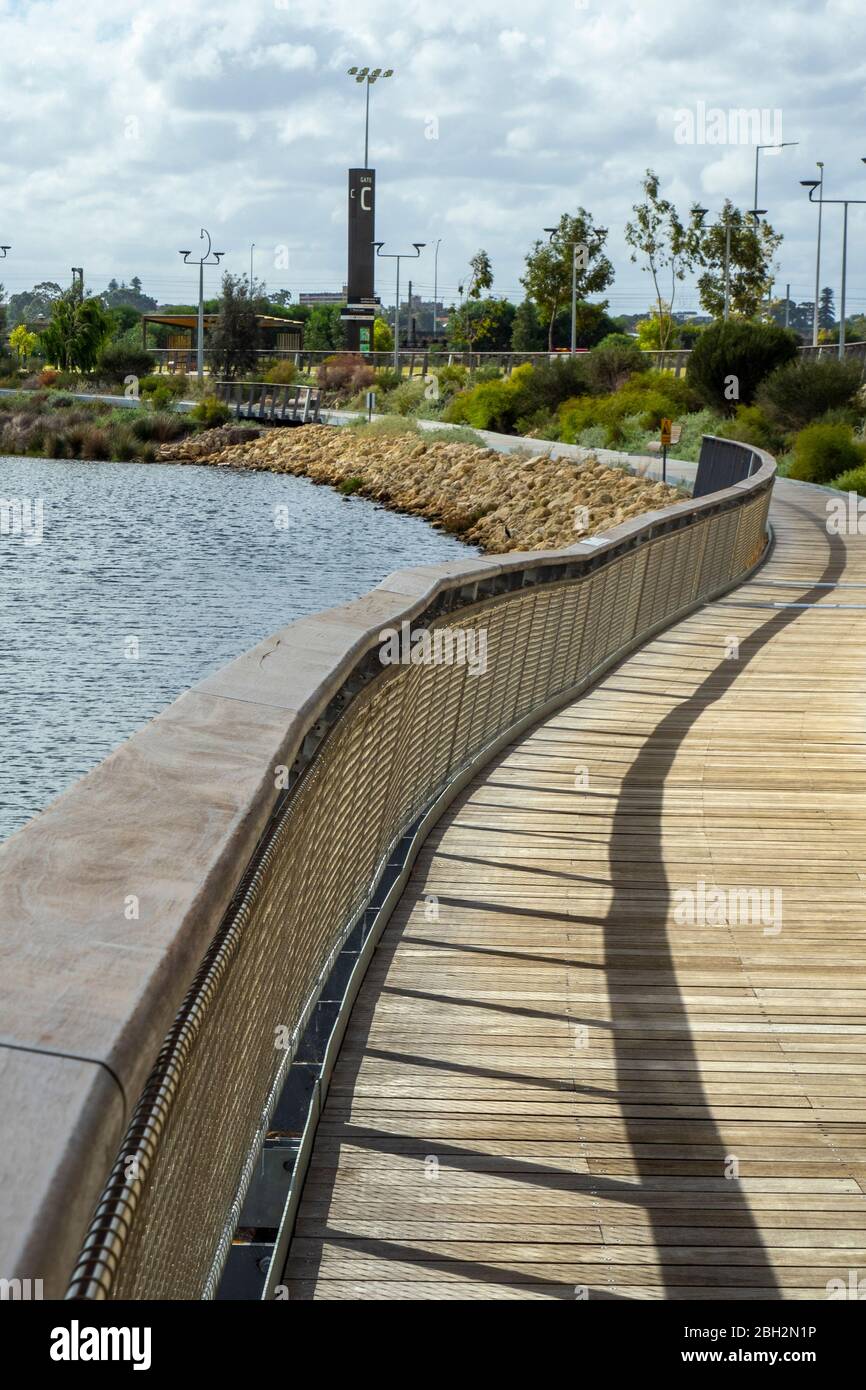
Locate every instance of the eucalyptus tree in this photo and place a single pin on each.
(571, 261)
(668, 246)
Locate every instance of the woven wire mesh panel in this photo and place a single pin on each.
(167, 1209)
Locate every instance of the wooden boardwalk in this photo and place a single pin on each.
(568, 1074)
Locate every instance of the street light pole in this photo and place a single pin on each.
(252, 249)
(727, 267)
(574, 297)
(782, 144)
(574, 245)
(812, 184)
(203, 260)
(701, 213)
(398, 257)
(368, 77)
(435, 287)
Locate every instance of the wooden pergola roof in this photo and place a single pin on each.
(191, 320)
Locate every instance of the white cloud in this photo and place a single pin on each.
(246, 120)
(290, 57)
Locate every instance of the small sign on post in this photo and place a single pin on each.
(669, 434)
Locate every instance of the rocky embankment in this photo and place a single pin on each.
(496, 501)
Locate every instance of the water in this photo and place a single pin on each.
(187, 563)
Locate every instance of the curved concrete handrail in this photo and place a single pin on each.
(127, 899)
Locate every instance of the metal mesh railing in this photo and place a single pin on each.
(165, 1219)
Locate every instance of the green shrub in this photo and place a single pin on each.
(822, 452)
(124, 445)
(161, 398)
(162, 426)
(349, 485)
(736, 357)
(613, 361)
(176, 385)
(387, 426)
(281, 373)
(644, 401)
(450, 380)
(387, 379)
(405, 399)
(802, 391)
(852, 481)
(751, 426)
(457, 435)
(210, 412)
(117, 362)
(493, 405)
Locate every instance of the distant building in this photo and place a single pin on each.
(325, 297)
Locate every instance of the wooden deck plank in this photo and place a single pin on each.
(561, 1077)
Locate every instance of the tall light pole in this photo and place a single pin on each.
(812, 184)
(757, 213)
(368, 77)
(782, 144)
(574, 245)
(252, 249)
(203, 260)
(435, 286)
(819, 184)
(398, 257)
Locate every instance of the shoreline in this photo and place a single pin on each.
(497, 502)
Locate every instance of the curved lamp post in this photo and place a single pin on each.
(210, 257)
(366, 76)
(812, 184)
(398, 257)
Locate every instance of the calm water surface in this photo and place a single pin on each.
(192, 565)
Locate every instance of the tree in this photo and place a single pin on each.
(591, 324)
(482, 325)
(548, 276)
(74, 337)
(751, 258)
(527, 334)
(668, 247)
(826, 310)
(130, 296)
(730, 360)
(324, 329)
(23, 343)
(34, 304)
(383, 337)
(234, 338)
(469, 323)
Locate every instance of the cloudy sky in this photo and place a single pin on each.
(125, 128)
